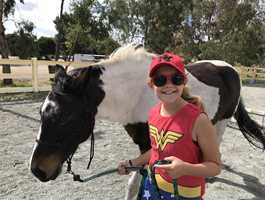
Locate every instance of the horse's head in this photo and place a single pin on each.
(67, 119)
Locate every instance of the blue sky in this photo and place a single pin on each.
(40, 12)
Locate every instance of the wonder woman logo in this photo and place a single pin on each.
(164, 138)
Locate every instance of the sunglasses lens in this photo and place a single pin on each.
(159, 81)
(177, 80)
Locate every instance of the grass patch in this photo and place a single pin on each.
(251, 81)
(23, 96)
(17, 83)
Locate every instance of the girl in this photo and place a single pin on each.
(180, 133)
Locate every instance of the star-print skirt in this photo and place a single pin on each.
(148, 192)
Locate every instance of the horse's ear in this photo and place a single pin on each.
(59, 72)
(138, 46)
(62, 81)
(59, 68)
(90, 73)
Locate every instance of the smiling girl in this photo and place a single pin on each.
(180, 133)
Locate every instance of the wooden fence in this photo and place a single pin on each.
(37, 67)
(32, 70)
(252, 74)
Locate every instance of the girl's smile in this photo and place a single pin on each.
(165, 87)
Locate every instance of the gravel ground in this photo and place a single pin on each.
(242, 178)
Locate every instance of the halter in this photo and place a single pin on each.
(76, 177)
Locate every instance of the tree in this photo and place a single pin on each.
(46, 46)
(228, 30)
(157, 22)
(85, 29)
(22, 43)
(6, 8)
(59, 36)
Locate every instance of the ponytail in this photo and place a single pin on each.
(195, 100)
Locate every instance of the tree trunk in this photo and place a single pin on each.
(59, 36)
(4, 50)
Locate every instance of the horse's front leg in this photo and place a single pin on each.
(133, 186)
(139, 132)
(220, 129)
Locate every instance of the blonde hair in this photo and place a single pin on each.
(193, 99)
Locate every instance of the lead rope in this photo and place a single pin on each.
(92, 147)
(76, 177)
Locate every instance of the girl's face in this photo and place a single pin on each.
(168, 84)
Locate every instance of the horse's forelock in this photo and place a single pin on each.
(64, 83)
(77, 79)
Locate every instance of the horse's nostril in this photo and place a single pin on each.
(39, 174)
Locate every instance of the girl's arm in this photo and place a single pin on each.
(141, 160)
(205, 134)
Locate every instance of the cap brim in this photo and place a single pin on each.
(164, 64)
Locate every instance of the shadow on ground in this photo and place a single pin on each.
(252, 184)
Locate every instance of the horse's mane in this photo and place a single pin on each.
(127, 52)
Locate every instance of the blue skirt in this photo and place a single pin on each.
(147, 192)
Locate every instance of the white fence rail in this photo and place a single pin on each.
(33, 69)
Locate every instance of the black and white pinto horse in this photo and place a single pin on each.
(116, 89)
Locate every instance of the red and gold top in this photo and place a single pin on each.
(172, 136)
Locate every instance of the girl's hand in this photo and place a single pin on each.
(176, 168)
(122, 167)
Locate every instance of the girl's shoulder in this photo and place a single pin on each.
(154, 110)
(192, 109)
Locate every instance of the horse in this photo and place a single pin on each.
(116, 89)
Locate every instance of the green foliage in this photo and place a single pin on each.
(46, 46)
(233, 30)
(154, 22)
(85, 30)
(106, 46)
(9, 6)
(22, 42)
(78, 41)
(228, 30)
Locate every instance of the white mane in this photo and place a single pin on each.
(127, 52)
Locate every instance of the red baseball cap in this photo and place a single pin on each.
(168, 59)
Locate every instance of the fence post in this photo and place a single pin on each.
(255, 74)
(240, 71)
(34, 74)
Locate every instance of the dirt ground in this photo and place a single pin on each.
(242, 177)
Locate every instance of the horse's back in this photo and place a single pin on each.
(225, 79)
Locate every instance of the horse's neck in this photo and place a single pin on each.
(128, 97)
